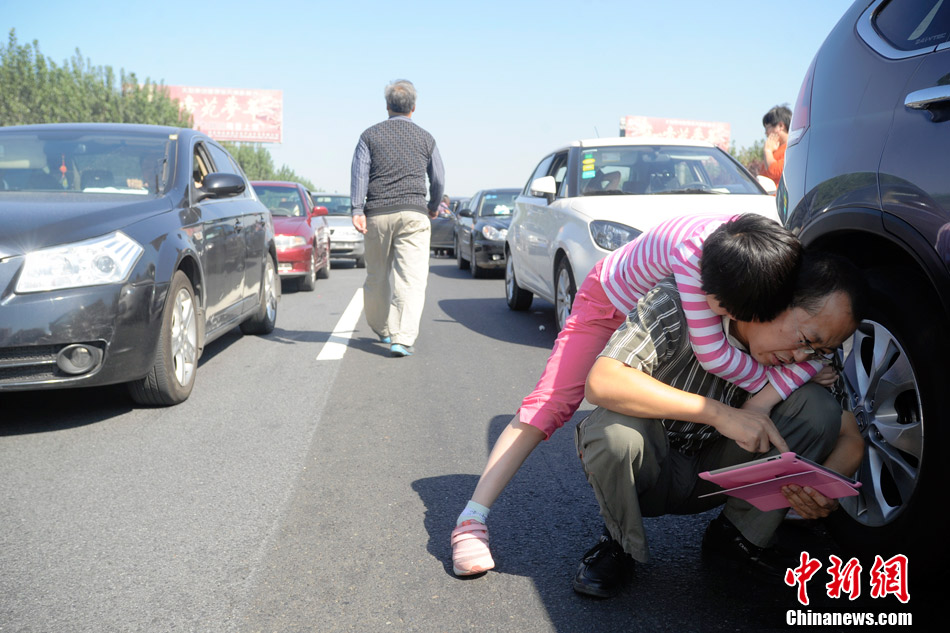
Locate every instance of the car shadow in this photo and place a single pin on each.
(27, 412)
(46, 410)
(492, 318)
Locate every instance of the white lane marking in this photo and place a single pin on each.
(336, 345)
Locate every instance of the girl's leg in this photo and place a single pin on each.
(510, 450)
(558, 393)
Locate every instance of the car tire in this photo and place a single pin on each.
(517, 297)
(324, 271)
(172, 376)
(477, 271)
(309, 281)
(564, 291)
(361, 262)
(463, 264)
(265, 318)
(897, 399)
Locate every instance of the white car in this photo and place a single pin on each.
(593, 196)
(345, 241)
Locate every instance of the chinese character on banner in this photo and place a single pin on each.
(801, 575)
(845, 578)
(890, 577)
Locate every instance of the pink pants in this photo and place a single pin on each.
(560, 390)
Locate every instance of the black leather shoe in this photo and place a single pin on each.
(725, 542)
(604, 570)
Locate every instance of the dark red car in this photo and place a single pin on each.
(302, 234)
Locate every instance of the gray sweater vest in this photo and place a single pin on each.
(400, 152)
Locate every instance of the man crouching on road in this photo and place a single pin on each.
(661, 420)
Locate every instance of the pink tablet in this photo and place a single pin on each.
(760, 481)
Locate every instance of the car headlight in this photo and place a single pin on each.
(284, 242)
(612, 235)
(103, 260)
(494, 233)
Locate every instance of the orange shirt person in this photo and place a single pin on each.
(776, 122)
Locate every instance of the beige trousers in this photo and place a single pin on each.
(636, 474)
(397, 269)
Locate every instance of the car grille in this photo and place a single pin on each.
(29, 364)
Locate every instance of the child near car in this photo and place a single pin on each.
(741, 266)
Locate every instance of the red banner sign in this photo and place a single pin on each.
(715, 132)
(232, 114)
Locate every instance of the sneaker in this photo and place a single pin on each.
(725, 542)
(398, 350)
(604, 570)
(385, 339)
(470, 553)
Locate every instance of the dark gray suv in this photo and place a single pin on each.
(866, 175)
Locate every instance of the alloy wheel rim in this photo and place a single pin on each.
(883, 393)
(184, 337)
(563, 297)
(270, 293)
(509, 279)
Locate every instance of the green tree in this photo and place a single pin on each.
(257, 163)
(37, 90)
(752, 157)
(34, 89)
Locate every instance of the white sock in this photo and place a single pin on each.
(473, 511)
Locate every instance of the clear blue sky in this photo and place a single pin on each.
(500, 82)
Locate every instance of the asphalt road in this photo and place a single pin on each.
(296, 494)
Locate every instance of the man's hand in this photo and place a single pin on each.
(808, 502)
(751, 429)
(826, 377)
(359, 222)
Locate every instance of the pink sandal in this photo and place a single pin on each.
(470, 554)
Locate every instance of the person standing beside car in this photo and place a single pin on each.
(388, 193)
(776, 122)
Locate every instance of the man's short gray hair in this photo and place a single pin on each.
(400, 96)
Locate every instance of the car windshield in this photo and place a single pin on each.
(497, 203)
(282, 201)
(336, 205)
(660, 169)
(85, 162)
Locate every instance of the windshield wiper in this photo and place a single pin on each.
(605, 192)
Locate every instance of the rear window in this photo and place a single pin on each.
(911, 25)
(336, 205)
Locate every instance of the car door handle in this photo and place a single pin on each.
(935, 100)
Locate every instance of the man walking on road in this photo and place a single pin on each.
(388, 193)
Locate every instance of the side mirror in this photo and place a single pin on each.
(544, 187)
(221, 185)
(319, 211)
(767, 183)
(466, 213)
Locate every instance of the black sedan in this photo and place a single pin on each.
(124, 249)
(481, 230)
